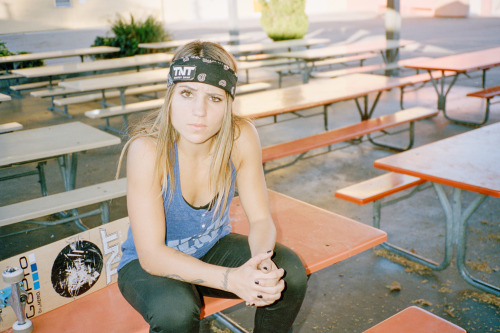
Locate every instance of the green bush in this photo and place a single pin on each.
(128, 35)
(24, 64)
(284, 19)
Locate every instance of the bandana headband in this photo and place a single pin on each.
(204, 70)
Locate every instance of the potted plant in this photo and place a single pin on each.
(284, 19)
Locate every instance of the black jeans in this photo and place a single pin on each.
(173, 306)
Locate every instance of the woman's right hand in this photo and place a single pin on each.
(254, 286)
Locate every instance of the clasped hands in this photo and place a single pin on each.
(259, 281)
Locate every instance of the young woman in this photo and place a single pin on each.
(183, 165)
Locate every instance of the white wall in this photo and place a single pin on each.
(41, 15)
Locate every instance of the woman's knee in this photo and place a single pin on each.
(295, 273)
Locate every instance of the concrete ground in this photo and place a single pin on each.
(356, 293)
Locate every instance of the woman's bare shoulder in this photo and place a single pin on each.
(247, 142)
(142, 145)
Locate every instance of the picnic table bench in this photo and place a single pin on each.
(243, 50)
(80, 52)
(308, 57)
(4, 98)
(319, 237)
(288, 68)
(62, 142)
(366, 69)
(487, 94)
(376, 190)
(65, 70)
(120, 82)
(366, 127)
(71, 200)
(10, 127)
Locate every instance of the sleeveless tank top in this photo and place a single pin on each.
(188, 229)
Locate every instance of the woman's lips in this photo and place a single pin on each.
(197, 126)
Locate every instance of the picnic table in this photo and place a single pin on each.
(465, 162)
(81, 52)
(318, 93)
(120, 82)
(94, 66)
(461, 63)
(61, 142)
(268, 47)
(307, 57)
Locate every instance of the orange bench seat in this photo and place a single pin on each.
(415, 320)
(321, 238)
(364, 127)
(378, 187)
(487, 94)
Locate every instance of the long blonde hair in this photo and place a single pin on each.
(158, 126)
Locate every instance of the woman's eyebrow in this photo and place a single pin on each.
(184, 85)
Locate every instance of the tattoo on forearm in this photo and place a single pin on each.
(178, 277)
(225, 278)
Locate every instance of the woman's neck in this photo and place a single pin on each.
(195, 150)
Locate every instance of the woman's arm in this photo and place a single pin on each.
(252, 189)
(147, 219)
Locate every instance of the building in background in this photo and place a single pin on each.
(42, 15)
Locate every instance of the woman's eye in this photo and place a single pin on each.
(215, 99)
(186, 93)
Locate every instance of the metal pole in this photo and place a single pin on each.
(233, 22)
(392, 29)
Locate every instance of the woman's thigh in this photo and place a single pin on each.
(167, 305)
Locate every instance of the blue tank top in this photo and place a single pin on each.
(188, 229)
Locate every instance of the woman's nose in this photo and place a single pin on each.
(200, 107)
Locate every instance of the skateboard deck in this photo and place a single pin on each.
(63, 271)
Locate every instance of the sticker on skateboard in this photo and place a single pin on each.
(48, 277)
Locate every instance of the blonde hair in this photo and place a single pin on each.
(158, 126)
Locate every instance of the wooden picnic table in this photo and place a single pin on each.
(307, 57)
(461, 63)
(465, 162)
(318, 93)
(94, 66)
(268, 47)
(61, 142)
(81, 52)
(120, 82)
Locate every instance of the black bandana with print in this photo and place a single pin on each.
(204, 70)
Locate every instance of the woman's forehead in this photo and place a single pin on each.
(201, 87)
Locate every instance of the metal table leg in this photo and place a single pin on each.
(377, 206)
(462, 245)
(459, 218)
(438, 85)
(67, 166)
